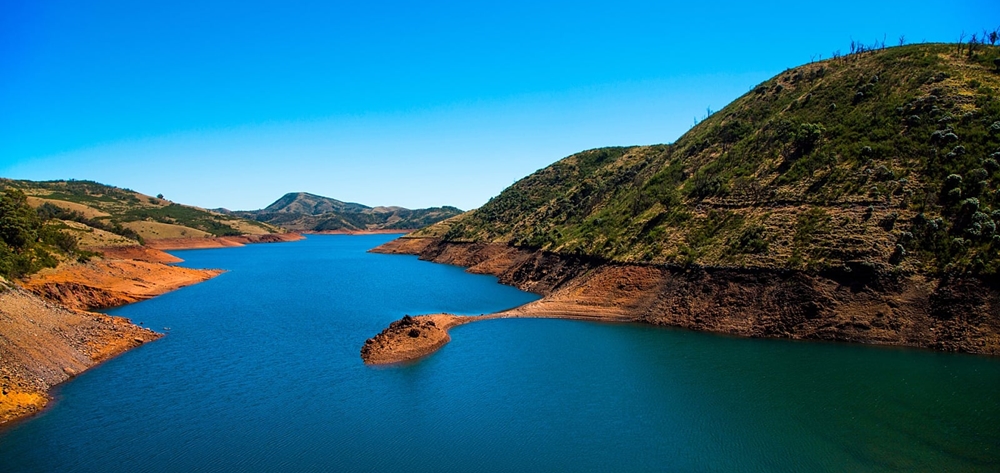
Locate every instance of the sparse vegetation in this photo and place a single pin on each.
(30, 241)
(824, 164)
(115, 209)
(50, 211)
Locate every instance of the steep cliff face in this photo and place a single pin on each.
(951, 314)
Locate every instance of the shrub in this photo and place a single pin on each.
(953, 181)
(978, 174)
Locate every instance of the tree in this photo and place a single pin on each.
(18, 221)
(20, 226)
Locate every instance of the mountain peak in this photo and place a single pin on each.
(303, 211)
(311, 204)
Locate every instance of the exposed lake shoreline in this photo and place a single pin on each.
(905, 310)
(220, 242)
(48, 334)
(268, 352)
(360, 232)
(412, 338)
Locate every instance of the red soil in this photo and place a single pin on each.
(220, 242)
(46, 334)
(360, 232)
(112, 282)
(957, 314)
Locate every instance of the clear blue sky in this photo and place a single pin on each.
(232, 104)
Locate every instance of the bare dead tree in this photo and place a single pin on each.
(961, 38)
(902, 40)
(994, 35)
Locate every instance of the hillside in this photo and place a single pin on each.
(101, 215)
(301, 211)
(43, 344)
(71, 246)
(887, 158)
(852, 199)
(311, 204)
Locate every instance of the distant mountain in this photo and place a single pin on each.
(312, 204)
(302, 211)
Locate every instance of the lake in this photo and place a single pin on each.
(260, 371)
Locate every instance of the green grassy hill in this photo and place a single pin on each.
(886, 158)
(302, 211)
(95, 213)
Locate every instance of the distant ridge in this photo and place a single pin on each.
(302, 211)
(312, 204)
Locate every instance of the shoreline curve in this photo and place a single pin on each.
(415, 337)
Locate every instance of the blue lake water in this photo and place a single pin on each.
(260, 372)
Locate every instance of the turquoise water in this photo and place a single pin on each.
(260, 372)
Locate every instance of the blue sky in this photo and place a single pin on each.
(232, 104)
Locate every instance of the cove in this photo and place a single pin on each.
(260, 372)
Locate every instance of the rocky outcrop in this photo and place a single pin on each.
(853, 304)
(409, 338)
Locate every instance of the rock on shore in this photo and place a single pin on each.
(410, 338)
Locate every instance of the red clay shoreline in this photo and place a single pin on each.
(412, 338)
(48, 334)
(359, 232)
(220, 242)
(918, 311)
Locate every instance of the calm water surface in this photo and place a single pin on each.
(260, 372)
